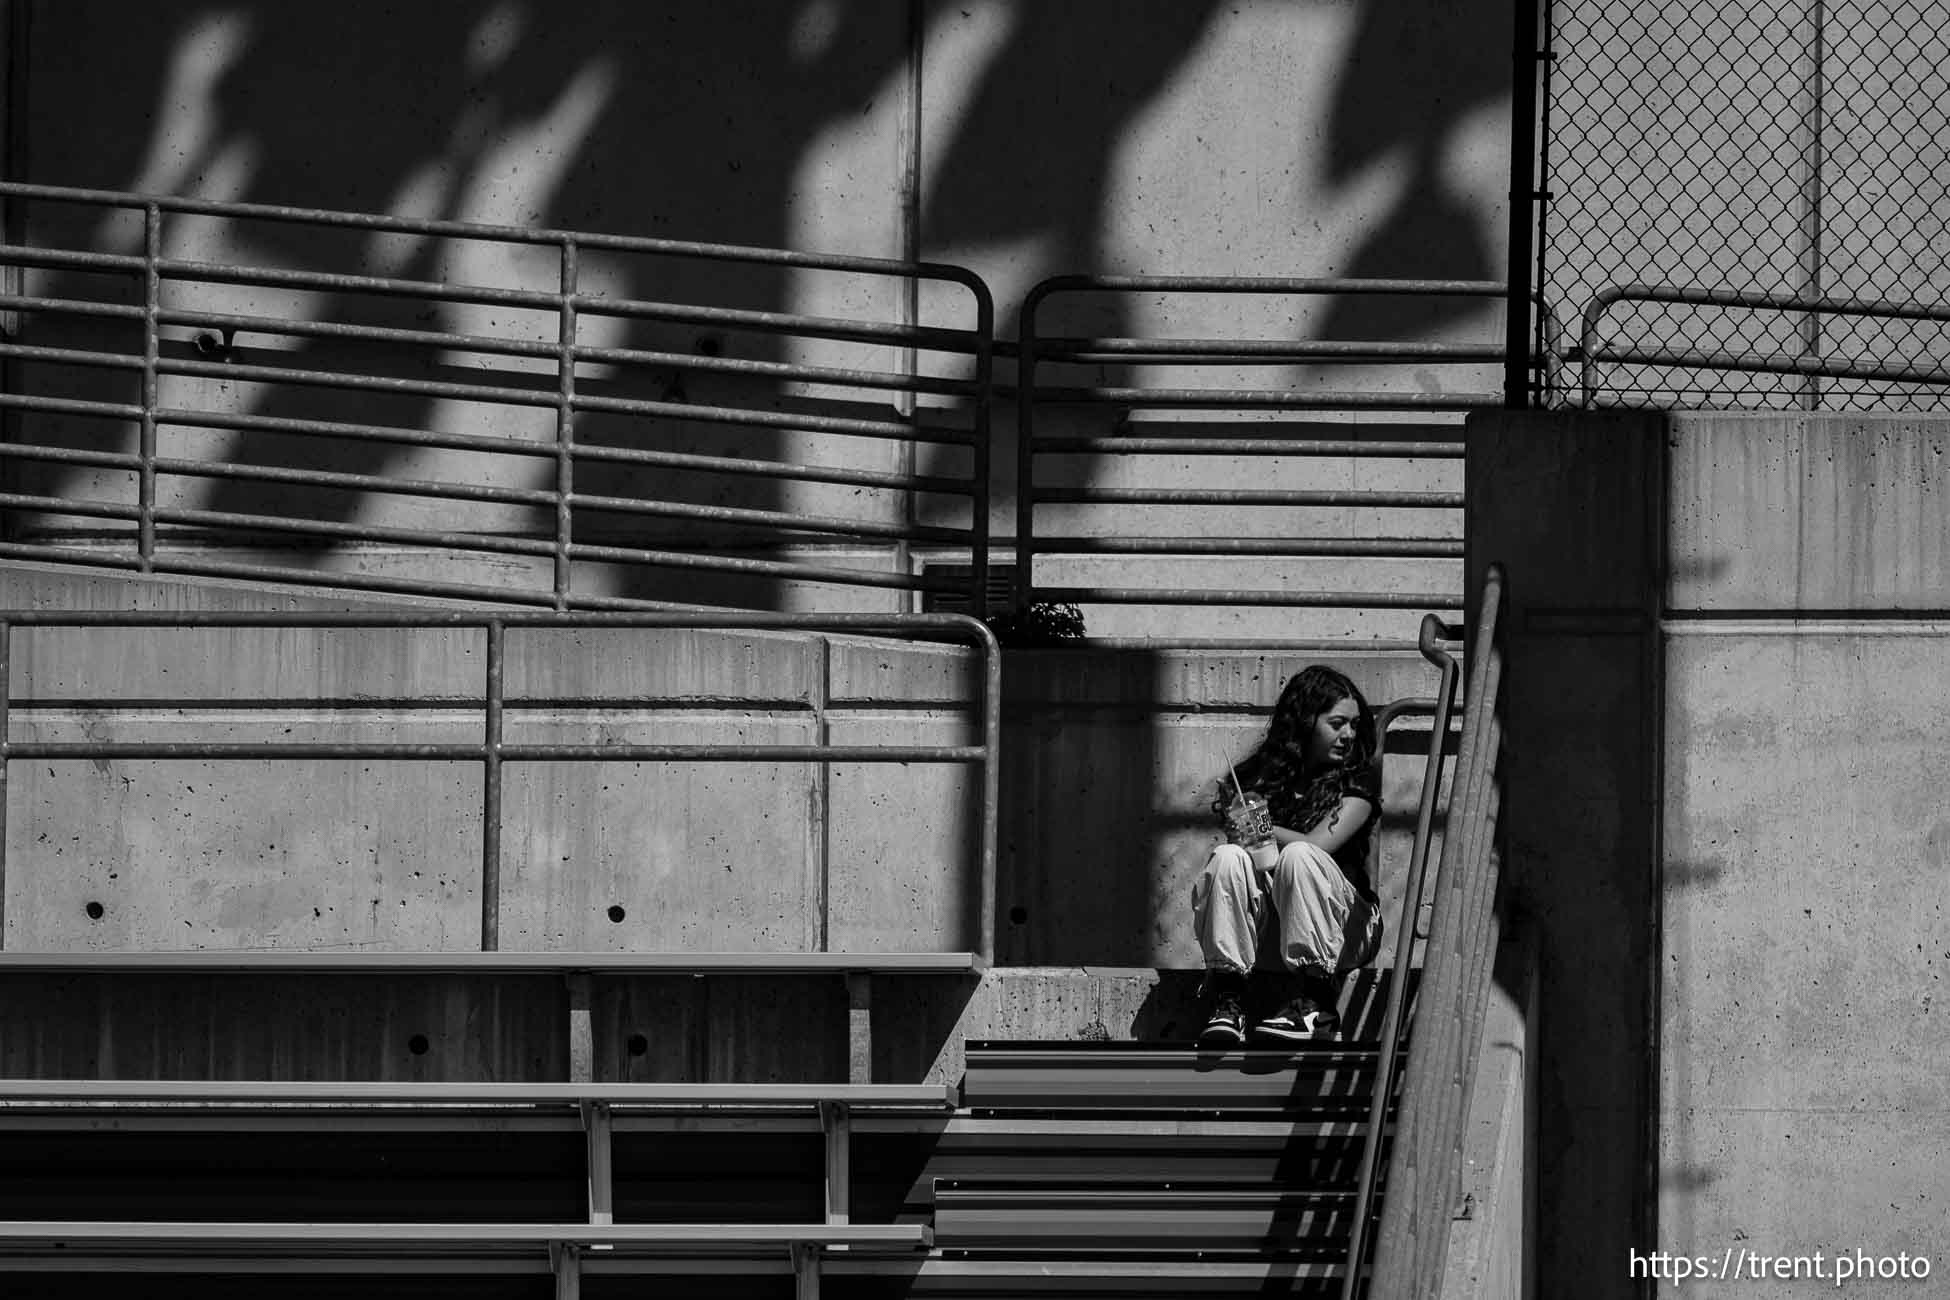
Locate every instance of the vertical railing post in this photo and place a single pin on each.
(991, 787)
(982, 471)
(1025, 450)
(6, 722)
(1518, 336)
(1813, 167)
(491, 794)
(565, 398)
(145, 541)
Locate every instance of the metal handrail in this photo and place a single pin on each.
(1032, 351)
(493, 750)
(565, 393)
(1434, 633)
(1460, 952)
(1591, 354)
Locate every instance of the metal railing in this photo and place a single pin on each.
(493, 751)
(1454, 992)
(1780, 148)
(171, 327)
(1811, 363)
(1258, 441)
(1441, 709)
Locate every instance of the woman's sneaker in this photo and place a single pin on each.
(1302, 1020)
(1227, 1027)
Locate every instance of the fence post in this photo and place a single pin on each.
(1517, 334)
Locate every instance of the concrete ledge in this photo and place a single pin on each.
(1493, 1236)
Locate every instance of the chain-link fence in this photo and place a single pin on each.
(1747, 160)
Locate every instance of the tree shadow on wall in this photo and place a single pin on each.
(1413, 76)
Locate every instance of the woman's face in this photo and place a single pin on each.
(1331, 739)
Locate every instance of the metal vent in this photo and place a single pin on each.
(1001, 588)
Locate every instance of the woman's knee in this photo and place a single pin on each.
(1228, 861)
(1303, 861)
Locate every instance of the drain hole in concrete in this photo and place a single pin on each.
(94, 911)
(615, 912)
(417, 1044)
(1018, 915)
(637, 1045)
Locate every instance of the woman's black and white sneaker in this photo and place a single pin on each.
(1227, 1027)
(1303, 1019)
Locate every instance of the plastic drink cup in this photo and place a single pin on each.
(1251, 824)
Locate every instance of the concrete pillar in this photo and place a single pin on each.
(1572, 506)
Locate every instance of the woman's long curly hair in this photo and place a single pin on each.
(1280, 761)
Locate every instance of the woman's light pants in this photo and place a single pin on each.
(1319, 921)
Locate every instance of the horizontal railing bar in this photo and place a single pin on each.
(72, 356)
(776, 469)
(1244, 644)
(243, 373)
(1376, 547)
(786, 420)
(703, 619)
(71, 306)
(525, 397)
(70, 456)
(929, 338)
(1417, 600)
(356, 532)
(688, 1096)
(822, 524)
(347, 481)
(667, 559)
(489, 542)
(67, 506)
(1249, 497)
(1273, 285)
(470, 961)
(507, 753)
(825, 524)
(497, 234)
(68, 259)
(490, 445)
(484, 1237)
(1893, 309)
(1763, 363)
(419, 587)
(68, 406)
(839, 377)
(1220, 446)
(1260, 397)
(1138, 351)
(535, 397)
(349, 582)
(503, 346)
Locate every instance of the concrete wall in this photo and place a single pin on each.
(1723, 811)
(1806, 844)
(1019, 139)
(348, 853)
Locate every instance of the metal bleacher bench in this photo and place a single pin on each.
(565, 1249)
(382, 1247)
(576, 968)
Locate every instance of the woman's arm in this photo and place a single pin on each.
(1333, 830)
